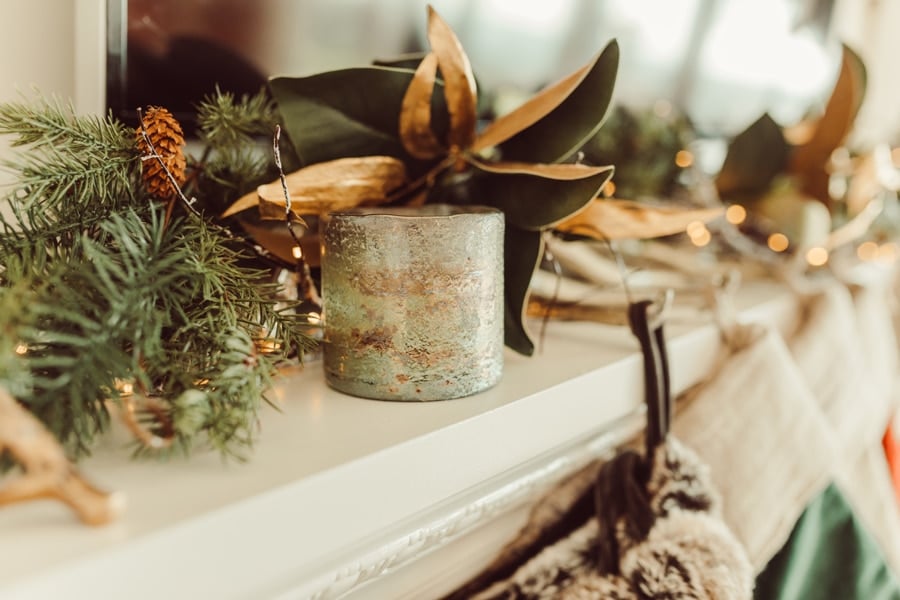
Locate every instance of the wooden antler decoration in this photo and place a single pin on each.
(48, 473)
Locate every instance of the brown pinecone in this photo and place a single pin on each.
(167, 139)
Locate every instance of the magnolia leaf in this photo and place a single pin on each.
(277, 239)
(624, 219)
(755, 156)
(810, 161)
(347, 113)
(415, 114)
(409, 60)
(562, 172)
(539, 106)
(459, 81)
(575, 311)
(522, 253)
(557, 122)
(537, 196)
(241, 204)
(323, 187)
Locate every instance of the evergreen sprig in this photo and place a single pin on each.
(71, 172)
(225, 120)
(14, 374)
(84, 159)
(99, 286)
(236, 134)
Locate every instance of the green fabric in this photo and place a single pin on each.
(829, 555)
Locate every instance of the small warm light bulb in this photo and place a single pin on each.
(736, 214)
(21, 349)
(867, 251)
(297, 252)
(701, 238)
(684, 159)
(267, 346)
(778, 242)
(817, 256)
(696, 228)
(609, 189)
(127, 389)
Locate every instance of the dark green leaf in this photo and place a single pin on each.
(809, 162)
(574, 120)
(534, 202)
(347, 113)
(522, 252)
(755, 156)
(858, 67)
(404, 61)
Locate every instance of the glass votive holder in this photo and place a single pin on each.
(413, 301)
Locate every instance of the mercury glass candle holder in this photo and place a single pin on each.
(413, 301)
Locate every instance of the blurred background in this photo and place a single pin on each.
(722, 61)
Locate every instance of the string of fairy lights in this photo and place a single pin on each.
(868, 251)
(815, 256)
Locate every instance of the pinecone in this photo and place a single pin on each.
(167, 139)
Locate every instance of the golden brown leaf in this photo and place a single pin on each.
(332, 185)
(559, 171)
(624, 219)
(415, 113)
(529, 113)
(591, 313)
(241, 204)
(277, 239)
(810, 160)
(459, 81)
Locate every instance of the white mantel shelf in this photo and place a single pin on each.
(334, 478)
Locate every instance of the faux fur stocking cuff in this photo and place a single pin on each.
(688, 553)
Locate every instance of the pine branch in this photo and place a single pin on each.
(215, 383)
(92, 313)
(70, 173)
(209, 369)
(167, 307)
(14, 375)
(228, 122)
(47, 122)
(107, 290)
(236, 159)
(61, 145)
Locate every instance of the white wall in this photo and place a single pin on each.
(871, 28)
(37, 41)
(37, 46)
